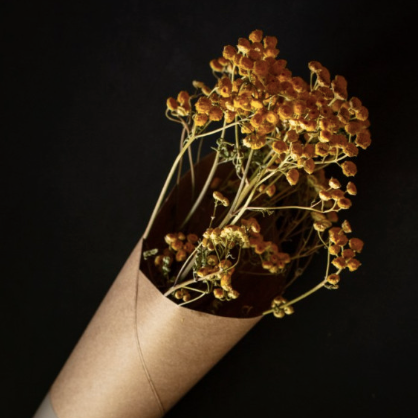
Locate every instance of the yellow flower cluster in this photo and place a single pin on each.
(334, 197)
(179, 247)
(272, 259)
(228, 237)
(220, 273)
(220, 198)
(280, 307)
(301, 122)
(344, 250)
(222, 240)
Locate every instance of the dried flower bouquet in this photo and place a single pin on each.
(237, 230)
(274, 207)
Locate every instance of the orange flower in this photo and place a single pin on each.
(172, 104)
(200, 119)
(292, 176)
(349, 168)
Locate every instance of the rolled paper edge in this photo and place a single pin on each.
(45, 409)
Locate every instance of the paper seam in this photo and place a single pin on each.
(147, 374)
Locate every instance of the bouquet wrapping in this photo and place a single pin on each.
(141, 352)
(237, 230)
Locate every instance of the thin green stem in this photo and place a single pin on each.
(193, 300)
(241, 186)
(202, 193)
(287, 207)
(219, 130)
(192, 175)
(204, 189)
(306, 294)
(165, 187)
(183, 134)
(190, 281)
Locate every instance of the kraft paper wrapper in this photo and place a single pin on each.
(140, 353)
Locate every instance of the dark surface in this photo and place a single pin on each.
(86, 150)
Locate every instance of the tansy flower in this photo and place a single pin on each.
(181, 255)
(261, 68)
(351, 188)
(363, 139)
(229, 52)
(270, 42)
(315, 66)
(339, 86)
(216, 66)
(333, 279)
(192, 238)
(254, 141)
(219, 293)
(218, 196)
(230, 116)
(322, 226)
(362, 113)
(356, 244)
(324, 195)
(350, 150)
(348, 253)
(308, 151)
(344, 203)
(346, 227)
(246, 63)
(323, 77)
(309, 166)
(355, 103)
(321, 149)
(183, 98)
(339, 262)
(172, 104)
(244, 45)
(291, 136)
(285, 111)
(354, 127)
(336, 194)
(215, 113)
(334, 249)
(200, 119)
(292, 176)
(270, 190)
(349, 168)
(272, 117)
(334, 183)
(353, 264)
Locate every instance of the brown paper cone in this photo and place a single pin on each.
(141, 352)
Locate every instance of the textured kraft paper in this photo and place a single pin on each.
(141, 352)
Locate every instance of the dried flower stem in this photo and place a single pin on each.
(243, 180)
(309, 292)
(166, 185)
(206, 185)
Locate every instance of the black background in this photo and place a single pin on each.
(86, 148)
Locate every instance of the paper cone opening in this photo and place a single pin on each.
(256, 289)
